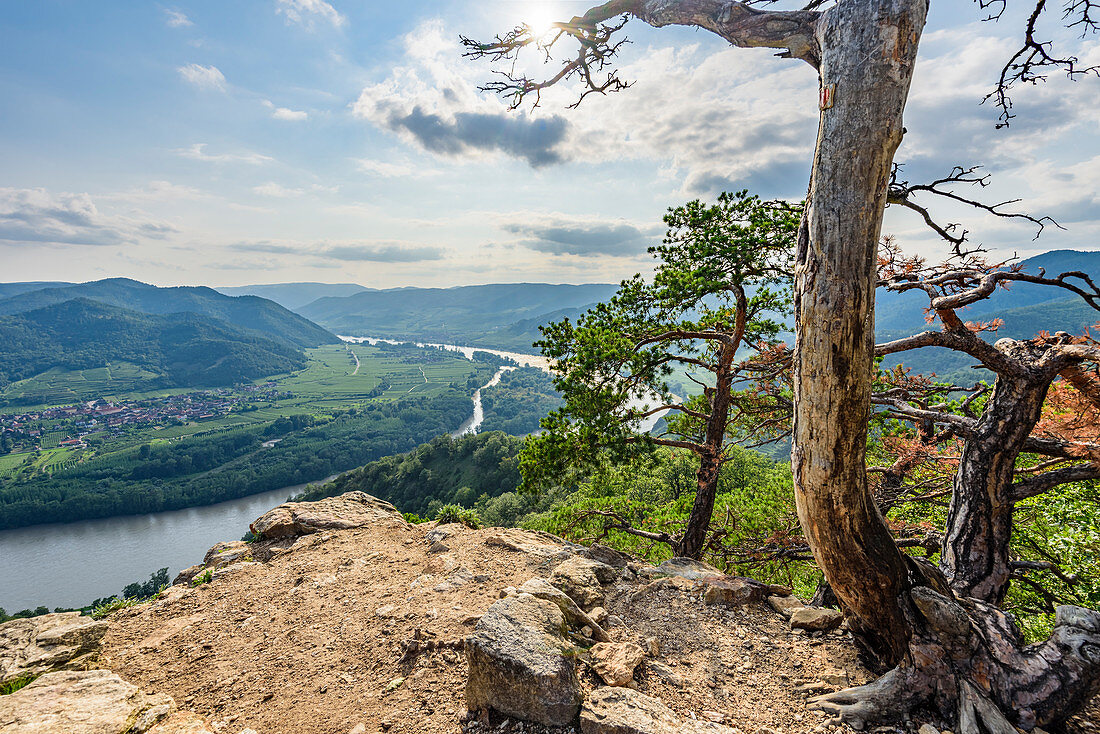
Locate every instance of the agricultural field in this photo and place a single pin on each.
(337, 378)
(59, 386)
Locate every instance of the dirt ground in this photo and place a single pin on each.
(310, 642)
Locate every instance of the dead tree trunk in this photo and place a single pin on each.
(868, 53)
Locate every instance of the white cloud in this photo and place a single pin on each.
(203, 77)
(305, 12)
(37, 216)
(197, 152)
(176, 19)
(394, 170)
(284, 113)
(273, 189)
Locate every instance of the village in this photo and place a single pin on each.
(71, 426)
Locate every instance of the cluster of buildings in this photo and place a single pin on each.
(97, 416)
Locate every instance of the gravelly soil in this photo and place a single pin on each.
(310, 642)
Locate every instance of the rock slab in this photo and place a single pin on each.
(816, 619)
(626, 711)
(347, 511)
(81, 702)
(582, 580)
(65, 640)
(521, 663)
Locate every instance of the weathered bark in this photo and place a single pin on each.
(969, 662)
(975, 551)
(868, 52)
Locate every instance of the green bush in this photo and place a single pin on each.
(457, 514)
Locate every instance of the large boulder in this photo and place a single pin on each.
(521, 664)
(574, 615)
(31, 647)
(582, 580)
(626, 711)
(347, 511)
(81, 702)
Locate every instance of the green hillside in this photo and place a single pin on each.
(444, 471)
(504, 316)
(180, 350)
(248, 312)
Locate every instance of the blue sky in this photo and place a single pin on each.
(279, 140)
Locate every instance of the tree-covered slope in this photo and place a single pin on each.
(501, 315)
(249, 312)
(444, 471)
(187, 349)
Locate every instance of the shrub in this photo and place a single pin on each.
(456, 514)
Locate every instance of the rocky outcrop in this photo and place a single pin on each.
(582, 580)
(347, 511)
(626, 711)
(785, 605)
(574, 615)
(63, 641)
(521, 664)
(81, 702)
(220, 555)
(615, 662)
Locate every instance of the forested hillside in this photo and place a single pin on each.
(505, 316)
(225, 465)
(184, 349)
(249, 312)
(445, 471)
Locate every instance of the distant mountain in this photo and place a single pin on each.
(7, 290)
(1025, 308)
(505, 316)
(294, 295)
(249, 312)
(184, 349)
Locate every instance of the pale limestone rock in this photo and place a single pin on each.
(81, 702)
(816, 619)
(785, 605)
(182, 722)
(532, 542)
(582, 580)
(347, 511)
(626, 711)
(521, 663)
(574, 615)
(65, 640)
(615, 662)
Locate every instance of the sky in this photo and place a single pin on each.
(265, 141)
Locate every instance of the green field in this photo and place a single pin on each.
(116, 381)
(330, 383)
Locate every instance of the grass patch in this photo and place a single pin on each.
(114, 605)
(15, 684)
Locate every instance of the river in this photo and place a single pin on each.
(70, 564)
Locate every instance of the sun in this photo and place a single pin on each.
(540, 18)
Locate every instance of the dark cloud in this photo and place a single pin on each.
(535, 141)
(582, 239)
(775, 179)
(382, 253)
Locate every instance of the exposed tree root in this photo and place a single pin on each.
(969, 662)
